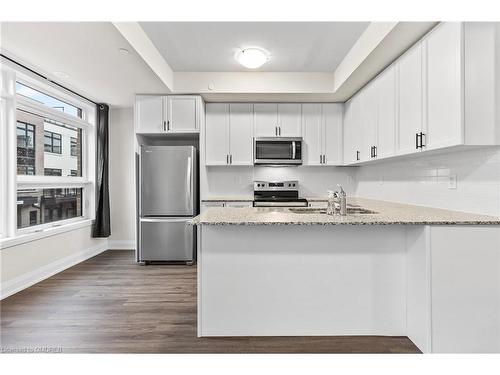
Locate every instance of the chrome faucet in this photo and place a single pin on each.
(340, 201)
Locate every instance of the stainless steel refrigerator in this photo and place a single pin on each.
(168, 199)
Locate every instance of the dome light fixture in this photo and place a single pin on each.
(252, 57)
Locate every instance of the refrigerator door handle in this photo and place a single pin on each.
(189, 183)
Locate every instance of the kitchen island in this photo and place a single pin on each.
(282, 272)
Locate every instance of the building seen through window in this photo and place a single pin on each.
(41, 206)
(46, 147)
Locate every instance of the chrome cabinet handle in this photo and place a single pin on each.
(230, 159)
(168, 125)
(279, 131)
(227, 158)
(164, 126)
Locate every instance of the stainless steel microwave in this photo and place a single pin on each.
(277, 151)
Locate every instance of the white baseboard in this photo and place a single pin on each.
(121, 244)
(28, 279)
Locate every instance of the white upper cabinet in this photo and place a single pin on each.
(322, 133)
(217, 134)
(277, 120)
(332, 133)
(266, 119)
(353, 133)
(386, 113)
(241, 134)
(369, 108)
(229, 134)
(167, 114)
(312, 134)
(150, 114)
(183, 114)
(444, 79)
(410, 100)
(289, 120)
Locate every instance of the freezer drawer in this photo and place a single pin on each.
(166, 239)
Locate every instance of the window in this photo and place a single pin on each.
(42, 206)
(53, 172)
(74, 146)
(62, 149)
(52, 142)
(25, 148)
(55, 155)
(47, 100)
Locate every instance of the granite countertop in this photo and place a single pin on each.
(387, 213)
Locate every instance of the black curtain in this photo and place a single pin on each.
(102, 226)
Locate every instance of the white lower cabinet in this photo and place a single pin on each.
(229, 134)
(233, 204)
(453, 288)
(322, 133)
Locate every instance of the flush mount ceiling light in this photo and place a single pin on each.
(252, 57)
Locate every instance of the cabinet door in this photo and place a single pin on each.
(351, 134)
(238, 204)
(266, 119)
(443, 48)
(312, 134)
(410, 99)
(182, 114)
(217, 134)
(386, 113)
(332, 133)
(241, 133)
(368, 108)
(206, 205)
(149, 114)
(289, 120)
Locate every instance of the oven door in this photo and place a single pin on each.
(277, 151)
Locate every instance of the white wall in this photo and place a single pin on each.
(122, 178)
(30, 262)
(424, 180)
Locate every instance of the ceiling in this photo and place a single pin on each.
(294, 46)
(88, 53)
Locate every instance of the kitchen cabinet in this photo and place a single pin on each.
(232, 204)
(352, 134)
(289, 120)
(149, 114)
(167, 114)
(332, 114)
(241, 133)
(217, 134)
(183, 114)
(229, 134)
(322, 133)
(385, 91)
(277, 120)
(369, 104)
(410, 100)
(443, 79)
(312, 134)
(209, 204)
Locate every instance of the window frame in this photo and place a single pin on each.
(53, 136)
(10, 235)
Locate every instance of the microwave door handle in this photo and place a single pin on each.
(293, 150)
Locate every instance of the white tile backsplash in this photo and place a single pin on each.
(425, 180)
(417, 179)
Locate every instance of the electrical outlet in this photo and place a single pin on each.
(452, 181)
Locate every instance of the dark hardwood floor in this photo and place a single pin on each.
(109, 304)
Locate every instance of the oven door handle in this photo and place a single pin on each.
(293, 150)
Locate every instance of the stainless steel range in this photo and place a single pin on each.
(277, 194)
